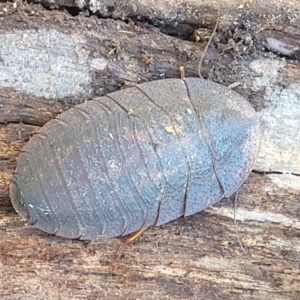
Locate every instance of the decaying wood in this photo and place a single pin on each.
(50, 61)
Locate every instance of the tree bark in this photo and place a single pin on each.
(51, 60)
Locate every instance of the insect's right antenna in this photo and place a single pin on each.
(206, 47)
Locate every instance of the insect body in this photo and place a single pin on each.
(135, 158)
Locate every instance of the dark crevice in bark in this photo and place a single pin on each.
(273, 172)
(181, 30)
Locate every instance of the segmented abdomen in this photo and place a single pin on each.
(139, 157)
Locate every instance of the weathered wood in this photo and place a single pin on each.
(50, 61)
(185, 259)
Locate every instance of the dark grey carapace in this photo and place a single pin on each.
(135, 158)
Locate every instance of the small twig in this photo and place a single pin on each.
(182, 73)
(235, 224)
(206, 47)
(124, 31)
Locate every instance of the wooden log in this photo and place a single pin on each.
(50, 61)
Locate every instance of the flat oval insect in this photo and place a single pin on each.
(135, 158)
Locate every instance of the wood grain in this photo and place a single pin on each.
(50, 61)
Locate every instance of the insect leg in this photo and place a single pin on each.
(130, 238)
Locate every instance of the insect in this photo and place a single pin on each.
(135, 158)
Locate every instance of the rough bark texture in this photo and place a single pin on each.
(51, 60)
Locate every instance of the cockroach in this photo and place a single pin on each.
(139, 157)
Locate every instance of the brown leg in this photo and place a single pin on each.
(130, 238)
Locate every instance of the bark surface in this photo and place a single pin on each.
(52, 59)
